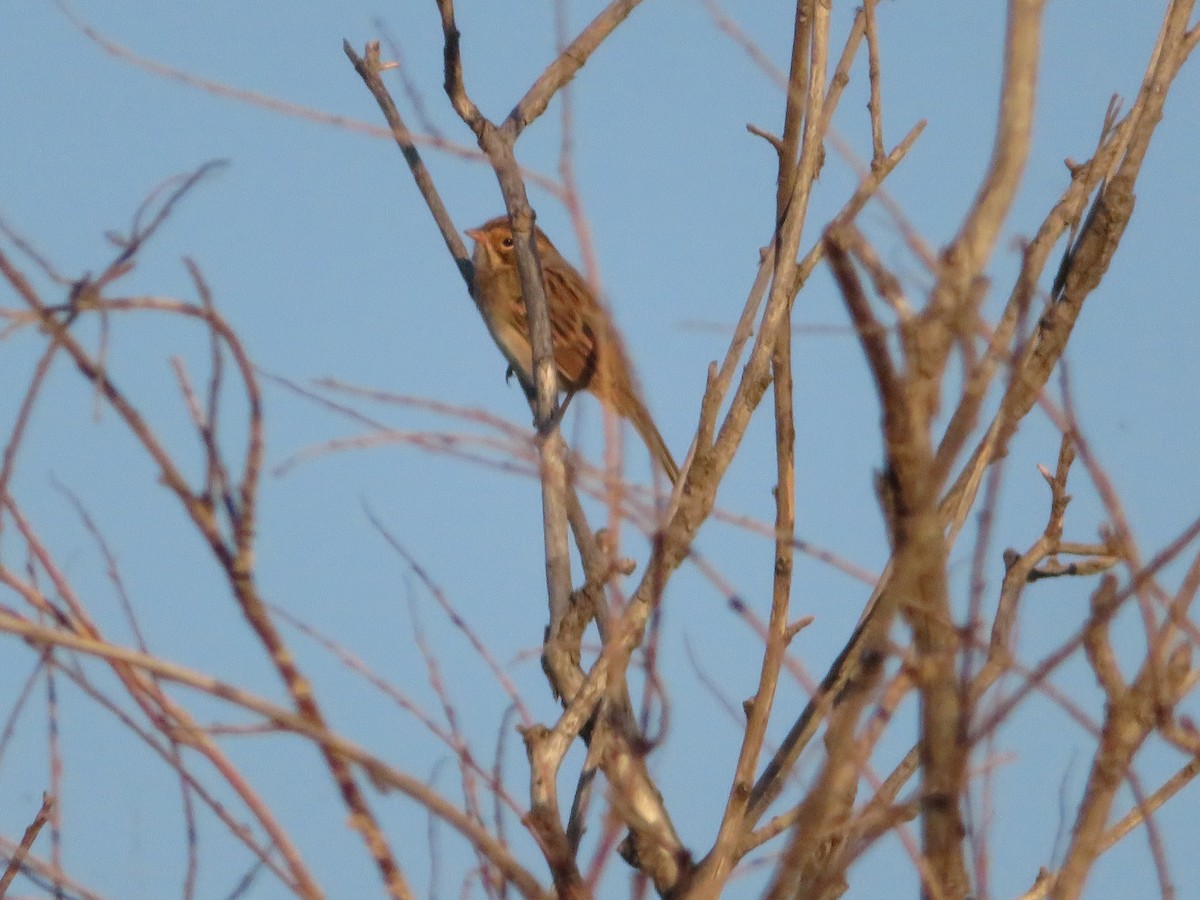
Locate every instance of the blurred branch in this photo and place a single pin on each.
(18, 857)
(234, 553)
(382, 775)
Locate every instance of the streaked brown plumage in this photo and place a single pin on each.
(588, 353)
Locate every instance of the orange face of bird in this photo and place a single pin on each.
(496, 238)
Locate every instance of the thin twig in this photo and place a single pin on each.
(31, 833)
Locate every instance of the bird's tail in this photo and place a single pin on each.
(635, 411)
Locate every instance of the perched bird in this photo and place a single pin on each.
(587, 350)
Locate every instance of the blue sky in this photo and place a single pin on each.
(320, 252)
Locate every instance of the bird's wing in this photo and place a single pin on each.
(572, 317)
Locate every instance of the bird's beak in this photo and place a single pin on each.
(475, 234)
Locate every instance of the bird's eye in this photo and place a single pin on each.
(506, 243)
